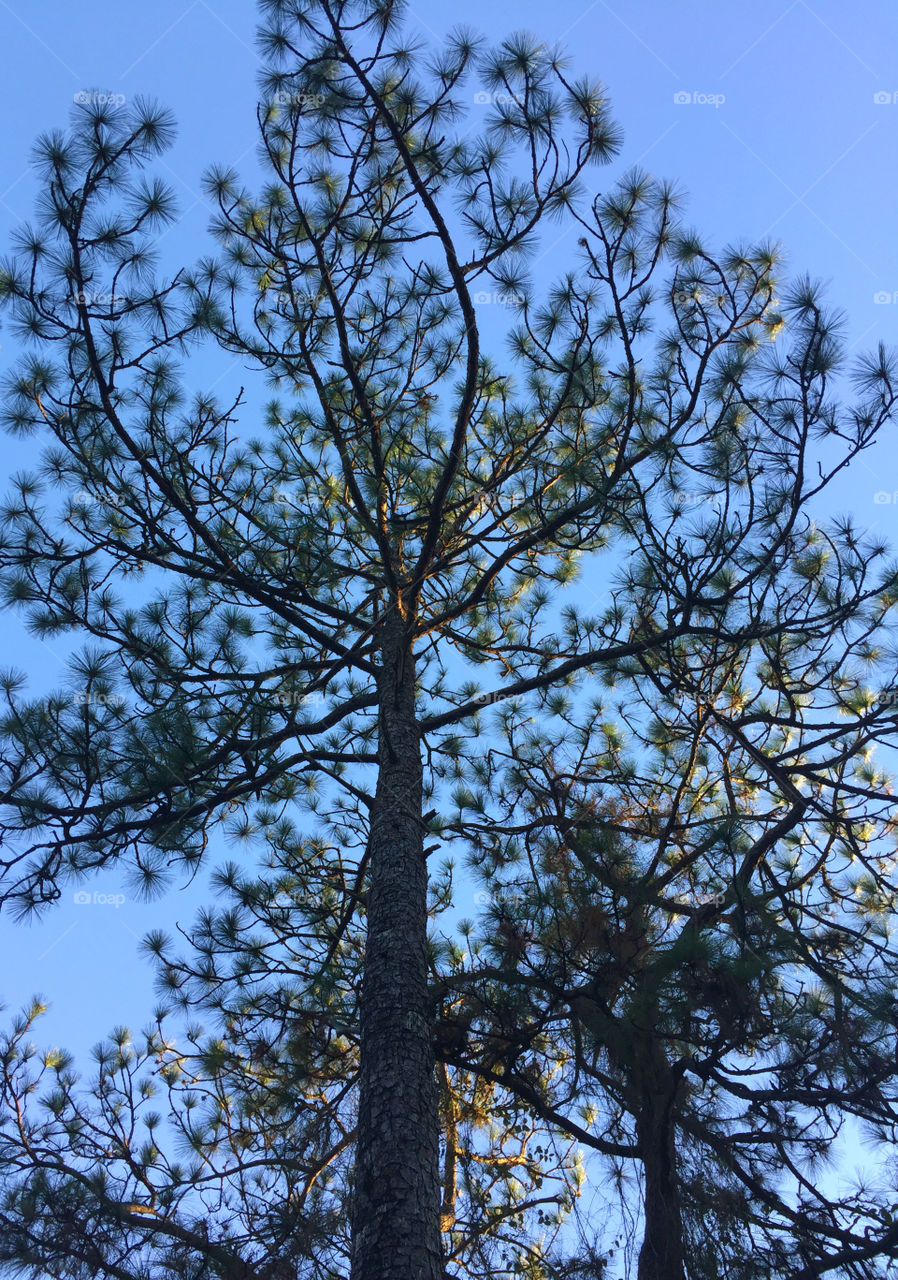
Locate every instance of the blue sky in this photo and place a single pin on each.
(765, 113)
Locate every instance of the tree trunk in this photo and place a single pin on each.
(396, 1204)
(661, 1255)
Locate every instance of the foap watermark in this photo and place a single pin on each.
(286, 898)
(702, 900)
(89, 698)
(85, 299)
(882, 297)
(885, 99)
(886, 700)
(84, 899)
(684, 99)
(296, 698)
(698, 297)
(683, 297)
(82, 499)
(93, 98)
(289, 98)
(483, 298)
(484, 99)
(284, 498)
(883, 498)
(489, 699)
(504, 896)
(683, 500)
(291, 297)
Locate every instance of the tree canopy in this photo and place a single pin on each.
(667, 788)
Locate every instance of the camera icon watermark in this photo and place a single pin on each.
(684, 99)
(882, 297)
(883, 498)
(884, 99)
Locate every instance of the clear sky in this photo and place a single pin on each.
(779, 118)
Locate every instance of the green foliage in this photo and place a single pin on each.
(661, 791)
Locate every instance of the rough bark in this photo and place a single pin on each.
(396, 1209)
(661, 1255)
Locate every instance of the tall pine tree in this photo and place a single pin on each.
(298, 607)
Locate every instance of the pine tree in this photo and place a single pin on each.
(299, 608)
(691, 879)
(220, 1141)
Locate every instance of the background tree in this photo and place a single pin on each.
(227, 1150)
(692, 875)
(388, 525)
